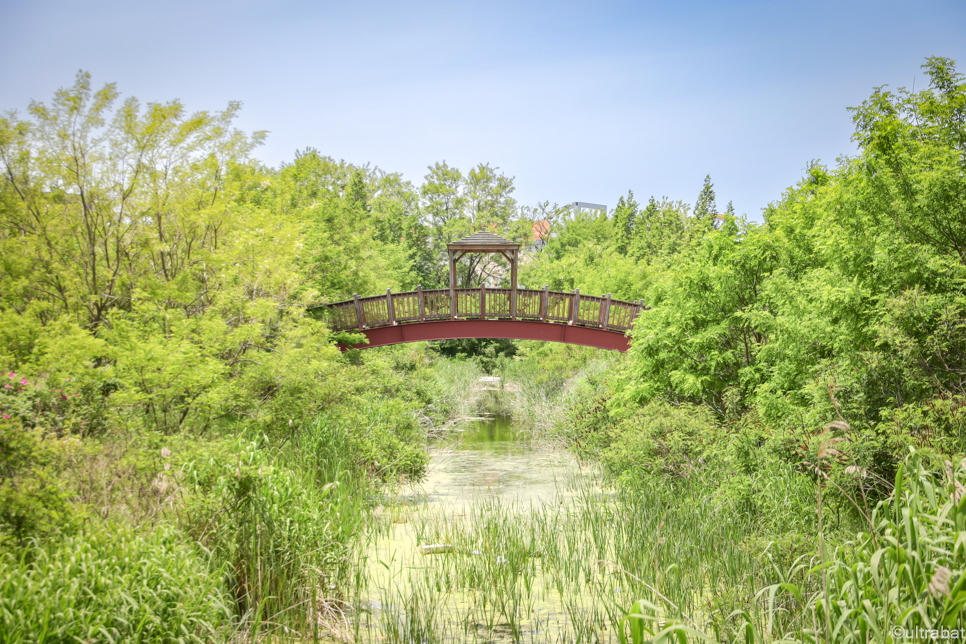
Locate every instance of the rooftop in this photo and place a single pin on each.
(485, 239)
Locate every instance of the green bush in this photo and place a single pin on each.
(385, 438)
(657, 438)
(110, 585)
(33, 499)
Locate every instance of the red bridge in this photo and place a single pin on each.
(521, 314)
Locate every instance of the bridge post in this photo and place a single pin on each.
(575, 307)
(419, 304)
(637, 307)
(605, 314)
(544, 303)
(390, 309)
(360, 312)
(482, 301)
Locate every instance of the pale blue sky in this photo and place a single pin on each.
(577, 101)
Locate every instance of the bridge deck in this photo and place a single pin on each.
(601, 314)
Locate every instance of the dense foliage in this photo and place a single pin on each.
(174, 421)
(854, 282)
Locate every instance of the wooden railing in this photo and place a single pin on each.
(362, 313)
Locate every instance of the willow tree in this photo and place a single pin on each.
(102, 202)
(136, 253)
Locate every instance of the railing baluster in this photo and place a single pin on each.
(606, 313)
(575, 307)
(482, 301)
(513, 303)
(630, 322)
(420, 304)
(544, 303)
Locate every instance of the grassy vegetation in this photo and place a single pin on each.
(240, 532)
(112, 584)
(568, 572)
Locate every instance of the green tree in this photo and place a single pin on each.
(454, 206)
(98, 205)
(625, 216)
(913, 153)
(660, 231)
(357, 192)
(705, 210)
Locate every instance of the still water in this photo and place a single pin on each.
(454, 558)
(493, 459)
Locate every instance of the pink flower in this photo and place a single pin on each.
(63, 396)
(5, 416)
(8, 386)
(23, 381)
(12, 374)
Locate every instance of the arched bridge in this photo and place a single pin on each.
(521, 314)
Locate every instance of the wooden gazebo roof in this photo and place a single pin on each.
(483, 242)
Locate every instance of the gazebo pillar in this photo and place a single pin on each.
(513, 284)
(452, 284)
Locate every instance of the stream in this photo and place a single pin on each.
(468, 554)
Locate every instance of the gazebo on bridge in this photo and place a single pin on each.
(454, 313)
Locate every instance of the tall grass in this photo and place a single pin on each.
(541, 391)
(454, 386)
(111, 585)
(280, 522)
(566, 570)
(903, 580)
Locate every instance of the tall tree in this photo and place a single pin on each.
(357, 192)
(625, 216)
(914, 152)
(660, 230)
(109, 200)
(705, 210)
(454, 206)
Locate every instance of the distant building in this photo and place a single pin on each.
(578, 206)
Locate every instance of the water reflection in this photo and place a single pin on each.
(494, 434)
(496, 459)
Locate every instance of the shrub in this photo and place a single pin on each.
(657, 438)
(33, 501)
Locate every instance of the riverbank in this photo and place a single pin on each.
(249, 527)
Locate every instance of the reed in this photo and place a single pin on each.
(111, 584)
(563, 571)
